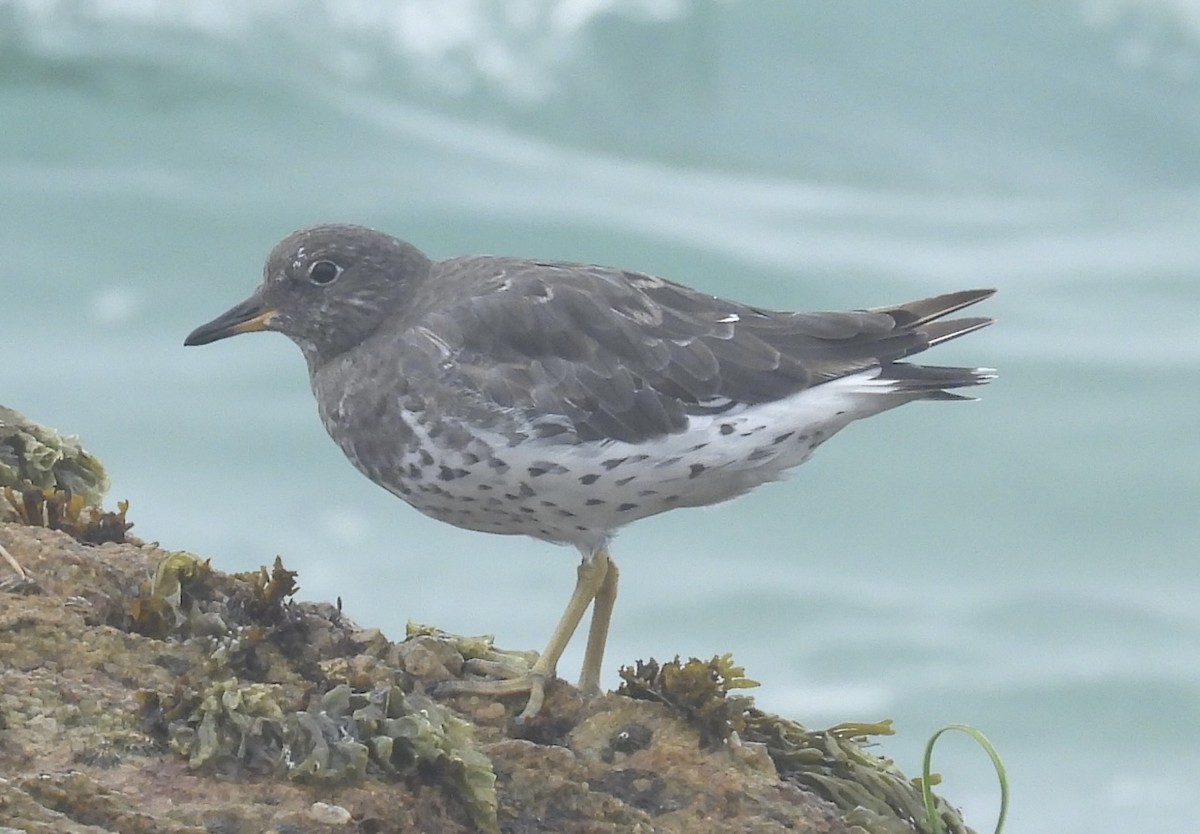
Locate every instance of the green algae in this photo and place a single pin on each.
(410, 732)
(37, 457)
(307, 730)
(235, 727)
(927, 779)
(871, 794)
(159, 607)
(50, 481)
(343, 737)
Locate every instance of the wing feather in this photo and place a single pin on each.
(626, 356)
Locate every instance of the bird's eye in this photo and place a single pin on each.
(324, 272)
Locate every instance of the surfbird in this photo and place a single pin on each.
(565, 400)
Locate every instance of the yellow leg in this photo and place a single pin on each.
(590, 581)
(593, 657)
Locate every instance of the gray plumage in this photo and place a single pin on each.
(447, 381)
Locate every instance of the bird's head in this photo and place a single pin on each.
(327, 288)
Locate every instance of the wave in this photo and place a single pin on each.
(520, 48)
(1000, 95)
(456, 45)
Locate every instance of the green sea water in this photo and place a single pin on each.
(1028, 563)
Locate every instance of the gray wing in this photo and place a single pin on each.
(606, 354)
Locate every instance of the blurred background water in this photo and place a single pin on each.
(1027, 563)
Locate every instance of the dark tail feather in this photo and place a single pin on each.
(924, 382)
(947, 329)
(924, 317)
(913, 314)
(934, 377)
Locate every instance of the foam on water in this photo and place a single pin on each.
(457, 45)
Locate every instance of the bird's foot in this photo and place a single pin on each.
(503, 679)
(596, 582)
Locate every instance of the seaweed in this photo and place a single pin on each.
(163, 602)
(50, 481)
(37, 457)
(698, 690)
(868, 790)
(60, 509)
(342, 737)
(226, 725)
(268, 591)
